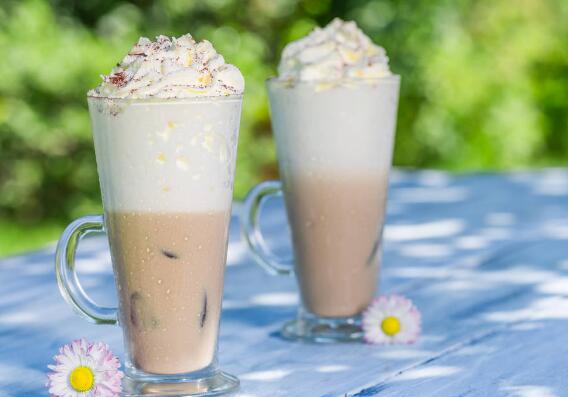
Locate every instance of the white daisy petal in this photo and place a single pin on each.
(406, 327)
(106, 380)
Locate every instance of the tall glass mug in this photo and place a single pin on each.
(334, 145)
(166, 172)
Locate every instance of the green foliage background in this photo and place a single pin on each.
(485, 85)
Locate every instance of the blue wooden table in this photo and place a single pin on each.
(484, 257)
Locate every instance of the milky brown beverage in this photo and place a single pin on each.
(334, 144)
(336, 223)
(169, 269)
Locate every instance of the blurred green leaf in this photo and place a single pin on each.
(483, 83)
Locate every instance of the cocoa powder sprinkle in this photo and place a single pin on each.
(118, 79)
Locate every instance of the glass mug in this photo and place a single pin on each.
(334, 145)
(166, 169)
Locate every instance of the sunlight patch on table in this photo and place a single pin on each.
(433, 178)
(553, 308)
(557, 286)
(551, 183)
(275, 299)
(236, 253)
(274, 374)
(556, 230)
(94, 265)
(426, 250)
(518, 275)
(18, 318)
(428, 372)
(526, 327)
(421, 272)
(403, 354)
(470, 242)
(438, 229)
(462, 285)
(528, 391)
(332, 368)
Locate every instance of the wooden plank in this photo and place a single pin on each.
(477, 253)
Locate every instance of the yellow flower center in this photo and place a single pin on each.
(390, 326)
(82, 379)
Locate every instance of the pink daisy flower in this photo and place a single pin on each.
(391, 319)
(85, 369)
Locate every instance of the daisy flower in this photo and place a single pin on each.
(85, 369)
(391, 319)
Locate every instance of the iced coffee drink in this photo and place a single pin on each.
(333, 109)
(166, 124)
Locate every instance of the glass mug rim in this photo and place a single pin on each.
(156, 100)
(291, 83)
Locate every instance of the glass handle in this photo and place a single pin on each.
(65, 270)
(251, 230)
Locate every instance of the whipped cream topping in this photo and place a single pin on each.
(171, 68)
(338, 51)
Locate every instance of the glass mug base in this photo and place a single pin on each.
(311, 328)
(209, 381)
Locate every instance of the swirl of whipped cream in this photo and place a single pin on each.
(338, 51)
(171, 68)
